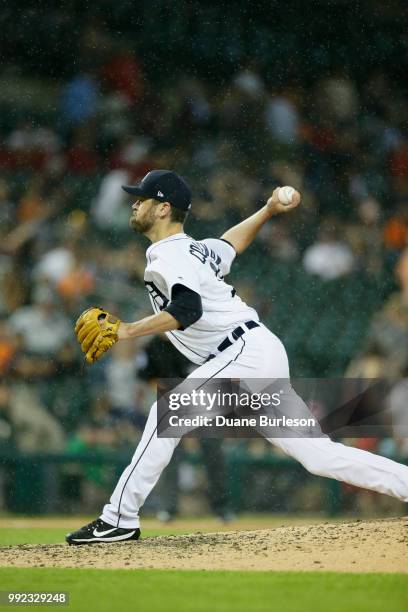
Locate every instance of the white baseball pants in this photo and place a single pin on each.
(257, 354)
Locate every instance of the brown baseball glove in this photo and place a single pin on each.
(96, 331)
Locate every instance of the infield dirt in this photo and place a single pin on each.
(358, 546)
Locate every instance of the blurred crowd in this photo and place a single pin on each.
(65, 242)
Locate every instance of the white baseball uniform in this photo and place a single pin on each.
(258, 353)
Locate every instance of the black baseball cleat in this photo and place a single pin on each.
(99, 531)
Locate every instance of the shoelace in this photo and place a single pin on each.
(94, 525)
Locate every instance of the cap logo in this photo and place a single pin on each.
(159, 193)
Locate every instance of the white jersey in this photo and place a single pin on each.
(201, 266)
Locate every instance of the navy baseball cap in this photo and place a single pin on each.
(164, 186)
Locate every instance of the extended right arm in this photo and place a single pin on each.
(240, 236)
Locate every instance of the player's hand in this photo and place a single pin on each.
(97, 332)
(274, 206)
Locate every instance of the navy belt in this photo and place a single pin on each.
(236, 333)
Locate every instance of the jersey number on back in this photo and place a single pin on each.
(203, 253)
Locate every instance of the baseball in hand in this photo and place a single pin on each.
(285, 194)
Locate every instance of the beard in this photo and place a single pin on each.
(141, 226)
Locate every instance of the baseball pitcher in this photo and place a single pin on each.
(208, 322)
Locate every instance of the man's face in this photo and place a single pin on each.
(143, 215)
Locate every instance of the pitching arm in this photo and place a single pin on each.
(240, 236)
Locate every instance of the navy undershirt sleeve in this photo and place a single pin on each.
(185, 305)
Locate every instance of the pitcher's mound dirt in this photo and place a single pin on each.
(359, 546)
